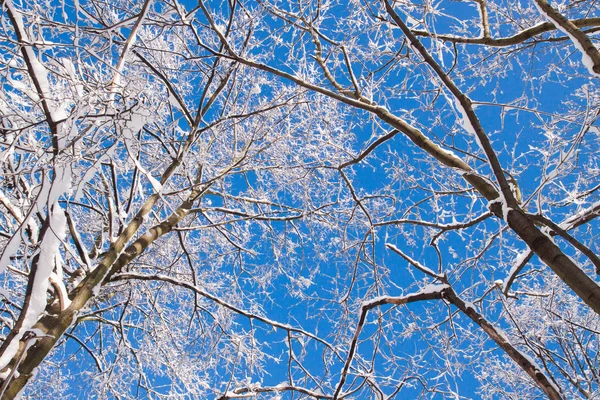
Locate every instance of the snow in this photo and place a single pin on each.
(89, 174)
(433, 288)
(482, 29)
(97, 288)
(156, 185)
(427, 289)
(568, 223)
(93, 169)
(12, 247)
(232, 395)
(369, 303)
(546, 232)
(134, 125)
(505, 208)
(61, 184)
(522, 256)
(220, 28)
(502, 334)
(49, 249)
(173, 101)
(57, 113)
(10, 350)
(128, 45)
(449, 152)
(585, 58)
(21, 86)
(38, 333)
(57, 281)
(49, 252)
(70, 68)
(48, 195)
(14, 210)
(464, 120)
(256, 89)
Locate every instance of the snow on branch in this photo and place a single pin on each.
(561, 229)
(38, 73)
(589, 53)
(253, 390)
(525, 362)
(116, 83)
(518, 264)
(429, 292)
(414, 263)
(39, 279)
(557, 230)
(581, 217)
(462, 103)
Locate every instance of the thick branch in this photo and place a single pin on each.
(552, 255)
(589, 52)
(575, 221)
(52, 326)
(557, 230)
(38, 74)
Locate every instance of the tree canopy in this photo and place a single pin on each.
(309, 199)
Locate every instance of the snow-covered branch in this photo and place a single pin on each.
(589, 53)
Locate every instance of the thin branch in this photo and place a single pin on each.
(414, 263)
(379, 141)
(221, 302)
(518, 38)
(431, 293)
(466, 108)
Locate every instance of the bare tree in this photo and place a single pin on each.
(311, 199)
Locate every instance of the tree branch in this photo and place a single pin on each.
(518, 38)
(589, 52)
